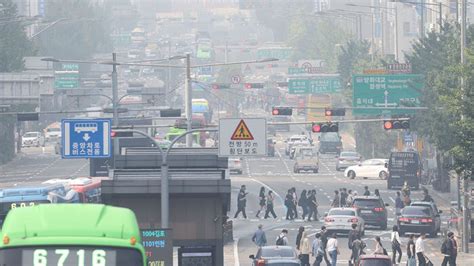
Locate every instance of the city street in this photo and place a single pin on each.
(276, 174)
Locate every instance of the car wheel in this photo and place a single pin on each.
(351, 174)
(383, 175)
(384, 226)
(433, 233)
(337, 168)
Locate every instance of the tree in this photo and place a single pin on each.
(14, 44)
(82, 32)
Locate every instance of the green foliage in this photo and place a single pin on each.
(14, 44)
(83, 32)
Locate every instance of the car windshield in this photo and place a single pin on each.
(368, 203)
(277, 252)
(30, 135)
(375, 262)
(54, 129)
(307, 153)
(349, 154)
(342, 212)
(417, 211)
(330, 137)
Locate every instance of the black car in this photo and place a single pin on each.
(275, 255)
(418, 219)
(372, 209)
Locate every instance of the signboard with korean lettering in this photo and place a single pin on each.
(158, 244)
(86, 138)
(314, 85)
(242, 137)
(402, 90)
(399, 68)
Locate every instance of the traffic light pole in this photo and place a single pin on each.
(115, 121)
(188, 95)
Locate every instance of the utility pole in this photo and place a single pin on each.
(188, 96)
(114, 90)
(396, 32)
(422, 18)
(168, 79)
(440, 16)
(466, 221)
(359, 19)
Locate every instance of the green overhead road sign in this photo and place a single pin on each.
(66, 79)
(281, 53)
(386, 91)
(322, 84)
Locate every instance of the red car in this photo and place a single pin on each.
(375, 260)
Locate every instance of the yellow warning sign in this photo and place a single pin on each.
(242, 132)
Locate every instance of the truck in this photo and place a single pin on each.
(318, 102)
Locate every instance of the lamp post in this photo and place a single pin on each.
(396, 22)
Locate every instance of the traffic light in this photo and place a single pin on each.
(220, 86)
(396, 124)
(335, 112)
(27, 116)
(254, 85)
(325, 127)
(282, 111)
(121, 134)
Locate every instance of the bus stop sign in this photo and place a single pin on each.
(86, 138)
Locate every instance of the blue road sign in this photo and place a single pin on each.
(86, 138)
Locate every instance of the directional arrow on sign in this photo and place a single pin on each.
(386, 104)
(86, 137)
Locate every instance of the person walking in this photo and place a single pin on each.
(353, 235)
(305, 249)
(357, 249)
(261, 201)
(426, 196)
(282, 239)
(336, 202)
(420, 249)
(398, 204)
(270, 199)
(343, 197)
(366, 191)
(379, 249)
(377, 192)
(299, 236)
(317, 250)
(295, 203)
(241, 202)
(303, 203)
(289, 205)
(313, 206)
(396, 244)
(449, 249)
(411, 251)
(259, 237)
(324, 243)
(350, 198)
(333, 249)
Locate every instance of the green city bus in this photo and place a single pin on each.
(71, 234)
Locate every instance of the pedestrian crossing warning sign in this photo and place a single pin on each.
(242, 132)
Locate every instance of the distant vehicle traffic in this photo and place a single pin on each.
(71, 234)
(372, 168)
(330, 143)
(340, 220)
(30, 139)
(271, 147)
(372, 209)
(52, 132)
(346, 159)
(292, 140)
(404, 167)
(275, 255)
(235, 165)
(307, 159)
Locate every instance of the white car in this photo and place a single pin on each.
(340, 220)
(235, 165)
(32, 139)
(52, 133)
(294, 139)
(371, 168)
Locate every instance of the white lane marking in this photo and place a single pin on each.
(392, 199)
(236, 252)
(269, 188)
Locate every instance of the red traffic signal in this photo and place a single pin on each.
(335, 112)
(325, 127)
(282, 111)
(396, 124)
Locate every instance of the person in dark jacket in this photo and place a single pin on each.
(303, 203)
(366, 191)
(324, 241)
(343, 197)
(313, 206)
(411, 253)
(270, 199)
(353, 235)
(398, 204)
(261, 201)
(289, 205)
(451, 251)
(336, 202)
(426, 196)
(241, 202)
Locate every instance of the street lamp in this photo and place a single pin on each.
(396, 22)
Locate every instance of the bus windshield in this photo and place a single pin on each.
(70, 255)
(404, 162)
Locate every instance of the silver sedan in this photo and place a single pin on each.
(340, 220)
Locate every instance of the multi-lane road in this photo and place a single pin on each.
(35, 165)
(276, 174)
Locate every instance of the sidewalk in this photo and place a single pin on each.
(230, 253)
